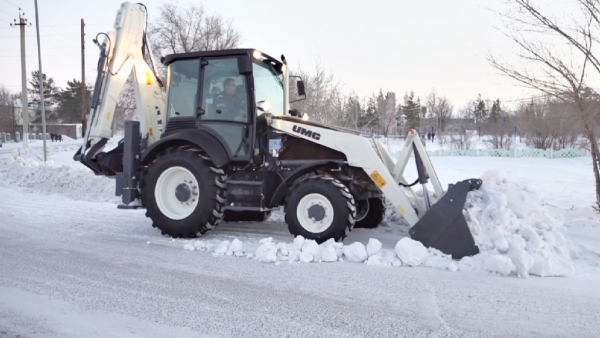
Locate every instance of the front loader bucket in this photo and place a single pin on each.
(444, 227)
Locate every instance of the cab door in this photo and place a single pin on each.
(227, 105)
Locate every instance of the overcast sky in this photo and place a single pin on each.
(396, 45)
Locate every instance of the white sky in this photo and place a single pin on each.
(396, 45)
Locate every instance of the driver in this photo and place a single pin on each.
(229, 103)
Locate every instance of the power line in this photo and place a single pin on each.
(8, 2)
(3, 11)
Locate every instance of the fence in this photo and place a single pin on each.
(549, 153)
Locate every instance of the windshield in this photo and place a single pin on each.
(268, 85)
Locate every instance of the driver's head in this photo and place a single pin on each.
(229, 86)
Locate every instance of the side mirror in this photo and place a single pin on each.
(263, 106)
(300, 85)
(300, 88)
(244, 65)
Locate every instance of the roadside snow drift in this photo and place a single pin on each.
(26, 168)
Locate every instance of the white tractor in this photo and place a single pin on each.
(218, 141)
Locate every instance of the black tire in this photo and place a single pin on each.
(211, 185)
(338, 195)
(246, 216)
(374, 216)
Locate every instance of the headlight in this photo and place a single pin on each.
(257, 55)
(305, 117)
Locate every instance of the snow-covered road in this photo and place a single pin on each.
(82, 268)
(86, 269)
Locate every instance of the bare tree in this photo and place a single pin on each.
(386, 108)
(324, 99)
(189, 29)
(7, 111)
(439, 107)
(545, 68)
(459, 140)
(499, 125)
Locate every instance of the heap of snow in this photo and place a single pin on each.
(515, 232)
(26, 168)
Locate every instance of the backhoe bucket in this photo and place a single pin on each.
(444, 227)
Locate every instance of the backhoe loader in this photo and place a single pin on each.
(218, 140)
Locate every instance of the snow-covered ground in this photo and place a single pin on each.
(70, 256)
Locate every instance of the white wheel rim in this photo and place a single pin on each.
(310, 224)
(166, 186)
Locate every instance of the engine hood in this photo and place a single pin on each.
(316, 124)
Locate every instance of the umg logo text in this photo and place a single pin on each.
(306, 132)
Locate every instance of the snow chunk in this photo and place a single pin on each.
(328, 254)
(222, 248)
(373, 247)
(499, 264)
(189, 246)
(266, 252)
(283, 249)
(551, 267)
(306, 257)
(236, 245)
(355, 252)
(266, 240)
(311, 247)
(411, 252)
(374, 261)
(298, 242)
(465, 264)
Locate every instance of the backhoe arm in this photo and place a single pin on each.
(122, 53)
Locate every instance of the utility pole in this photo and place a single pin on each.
(37, 27)
(24, 103)
(83, 89)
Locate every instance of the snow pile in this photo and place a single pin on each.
(516, 234)
(26, 168)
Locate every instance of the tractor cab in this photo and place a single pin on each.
(224, 93)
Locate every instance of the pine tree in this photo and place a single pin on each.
(495, 112)
(479, 110)
(412, 110)
(50, 94)
(69, 102)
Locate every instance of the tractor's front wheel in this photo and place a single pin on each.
(320, 208)
(183, 193)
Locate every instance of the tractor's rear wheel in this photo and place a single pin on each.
(373, 215)
(320, 208)
(246, 216)
(183, 193)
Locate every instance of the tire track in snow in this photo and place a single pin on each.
(438, 315)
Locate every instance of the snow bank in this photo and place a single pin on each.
(26, 168)
(515, 232)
